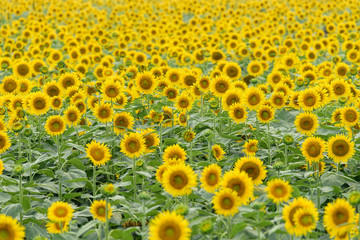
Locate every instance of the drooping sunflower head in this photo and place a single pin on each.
(279, 190)
(133, 145)
(218, 152)
(98, 153)
(98, 210)
(306, 123)
(253, 166)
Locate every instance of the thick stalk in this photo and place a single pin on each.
(286, 157)
(229, 226)
(107, 219)
(94, 180)
(58, 143)
(143, 221)
(268, 138)
(160, 136)
(191, 153)
(21, 198)
(134, 177)
(318, 185)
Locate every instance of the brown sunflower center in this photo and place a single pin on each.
(254, 99)
(314, 149)
(146, 82)
(61, 212)
(279, 191)
(133, 146)
(265, 115)
(221, 86)
(184, 103)
(39, 103)
(53, 91)
(252, 169)
(178, 180)
(56, 126)
(306, 220)
(350, 116)
(239, 113)
(226, 203)
(189, 80)
(237, 185)
(72, 116)
(232, 71)
(112, 92)
(212, 179)
(6, 233)
(97, 153)
(101, 211)
(339, 89)
(341, 71)
(340, 216)
(306, 123)
(149, 141)
(310, 100)
(104, 113)
(170, 231)
(23, 69)
(340, 147)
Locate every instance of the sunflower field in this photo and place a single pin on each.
(178, 120)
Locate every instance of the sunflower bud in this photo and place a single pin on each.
(139, 163)
(2, 110)
(206, 226)
(354, 198)
(288, 139)
(182, 209)
(17, 127)
(144, 196)
(4, 65)
(128, 63)
(61, 64)
(129, 74)
(28, 132)
(214, 104)
(18, 169)
(44, 70)
(353, 71)
(108, 190)
(278, 165)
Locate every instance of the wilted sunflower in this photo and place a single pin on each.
(253, 166)
(4, 142)
(122, 121)
(250, 147)
(55, 125)
(169, 226)
(226, 202)
(218, 152)
(278, 190)
(238, 113)
(145, 82)
(98, 153)
(265, 114)
(313, 149)
(10, 228)
(290, 210)
(241, 183)
(178, 179)
(174, 152)
(60, 212)
(340, 148)
(72, 115)
(57, 227)
(306, 123)
(211, 178)
(254, 98)
(339, 217)
(133, 145)
(104, 112)
(98, 210)
(38, 103)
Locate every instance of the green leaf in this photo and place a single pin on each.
(77, 163)
(12, 210)
(123, 234)
(85, 228)
(237, 228)
(75, 178)
(4, 197)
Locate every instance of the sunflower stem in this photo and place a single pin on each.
(160, 136)
(286, 157)
(229, 226)
(134, 177)
(214, 127)
(191, 153)
(94, 180)
(19, 144)
(201, 105)
(143, 220)
(21, 198)
(318, 185)
(29, 157)
(268, 138)
(107, 219)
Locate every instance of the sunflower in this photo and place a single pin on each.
(341, 70)
(5, 142)
(250, 147)
(290, 210)
(178, 180)
(305, 220)
(151, 139)
(171, 93)
(120, 101)
(56, 103)
(313, 149)
(104, 112)
(110, 90)
(53, 89)
(174, 76)
(309, 99)
(155, 116)
(255, 68)
(306, 123)
(39, 103)
(339, 217)
(10, 228)
(278, 190)
(133, 145)
(238, 113)
(169, 226)
(265, 114)
(55, 125)
(182, 119)
(349, 116)
(25, 86)
(340, 148)
(69, 80)
(98, 211)
(220, 85)
(60, 212)
(145, 82)
(231, 97)
(22, 69)
(278, 100)
(9, 85)
(218, 152)
(204, 84)
(72, 115)
(226, 202)
(188, 79)
(340, 88)
(274, 78)
(98, 153)
(1, 167)
(232, 70)
(211, 178)
(184, 102)
(174, 152)
(241, 183)
(122, 122)
(57, 227)
(254, 98)
(253, 166)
